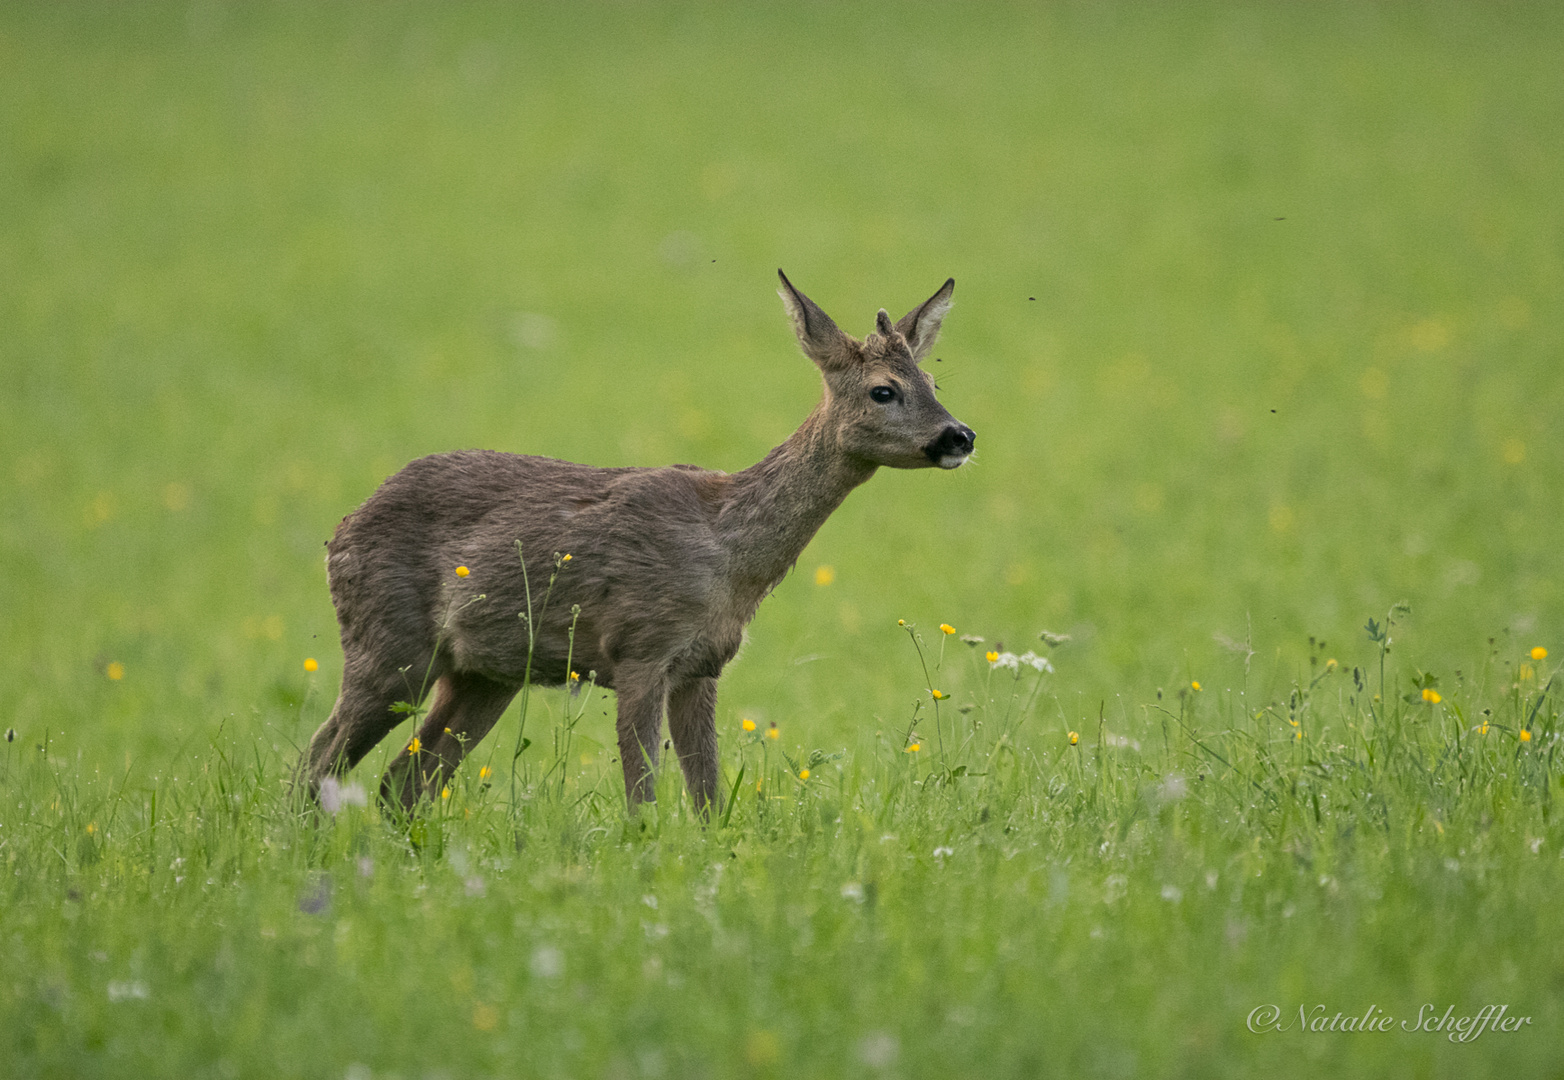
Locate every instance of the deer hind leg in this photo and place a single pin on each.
(361, 717)
(466, 707)
(643, 691)
(692, 721)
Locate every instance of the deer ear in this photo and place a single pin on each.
(821, 339)
(920, 326)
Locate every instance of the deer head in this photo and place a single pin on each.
(879, 403)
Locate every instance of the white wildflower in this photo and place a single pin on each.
(879, 1049)
(128, 990)
(334, 795)
(547, 962)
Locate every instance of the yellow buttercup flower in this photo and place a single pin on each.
(1298, 734)
(1539, 653)
(803, 774)
(1194, 684)
(1075, 737)
(485, 772)
(1330, 665)
(445, 792)
(414, 746)
(747, 725)
(462, 571)
(1525, 735)
(772, 732)
(565, 559)
(901, 622)
(913, 748)
(991, 656)
(938, 695)
(115, 671)
(1431, 695)
(946, 628)
(1483, 730)
(311, 664)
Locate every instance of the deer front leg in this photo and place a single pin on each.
(692, 720)
(643, 691)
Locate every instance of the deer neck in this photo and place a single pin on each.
(776, 506)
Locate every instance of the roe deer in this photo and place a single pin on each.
(668, 566)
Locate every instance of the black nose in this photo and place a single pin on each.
(956, 439)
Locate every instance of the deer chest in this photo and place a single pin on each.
(707, 655)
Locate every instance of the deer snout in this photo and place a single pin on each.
(953, 446)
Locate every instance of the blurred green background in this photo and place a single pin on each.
(1257, 321)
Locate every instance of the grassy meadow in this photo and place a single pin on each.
(1257, 321)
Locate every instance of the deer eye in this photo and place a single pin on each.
(883, 394)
